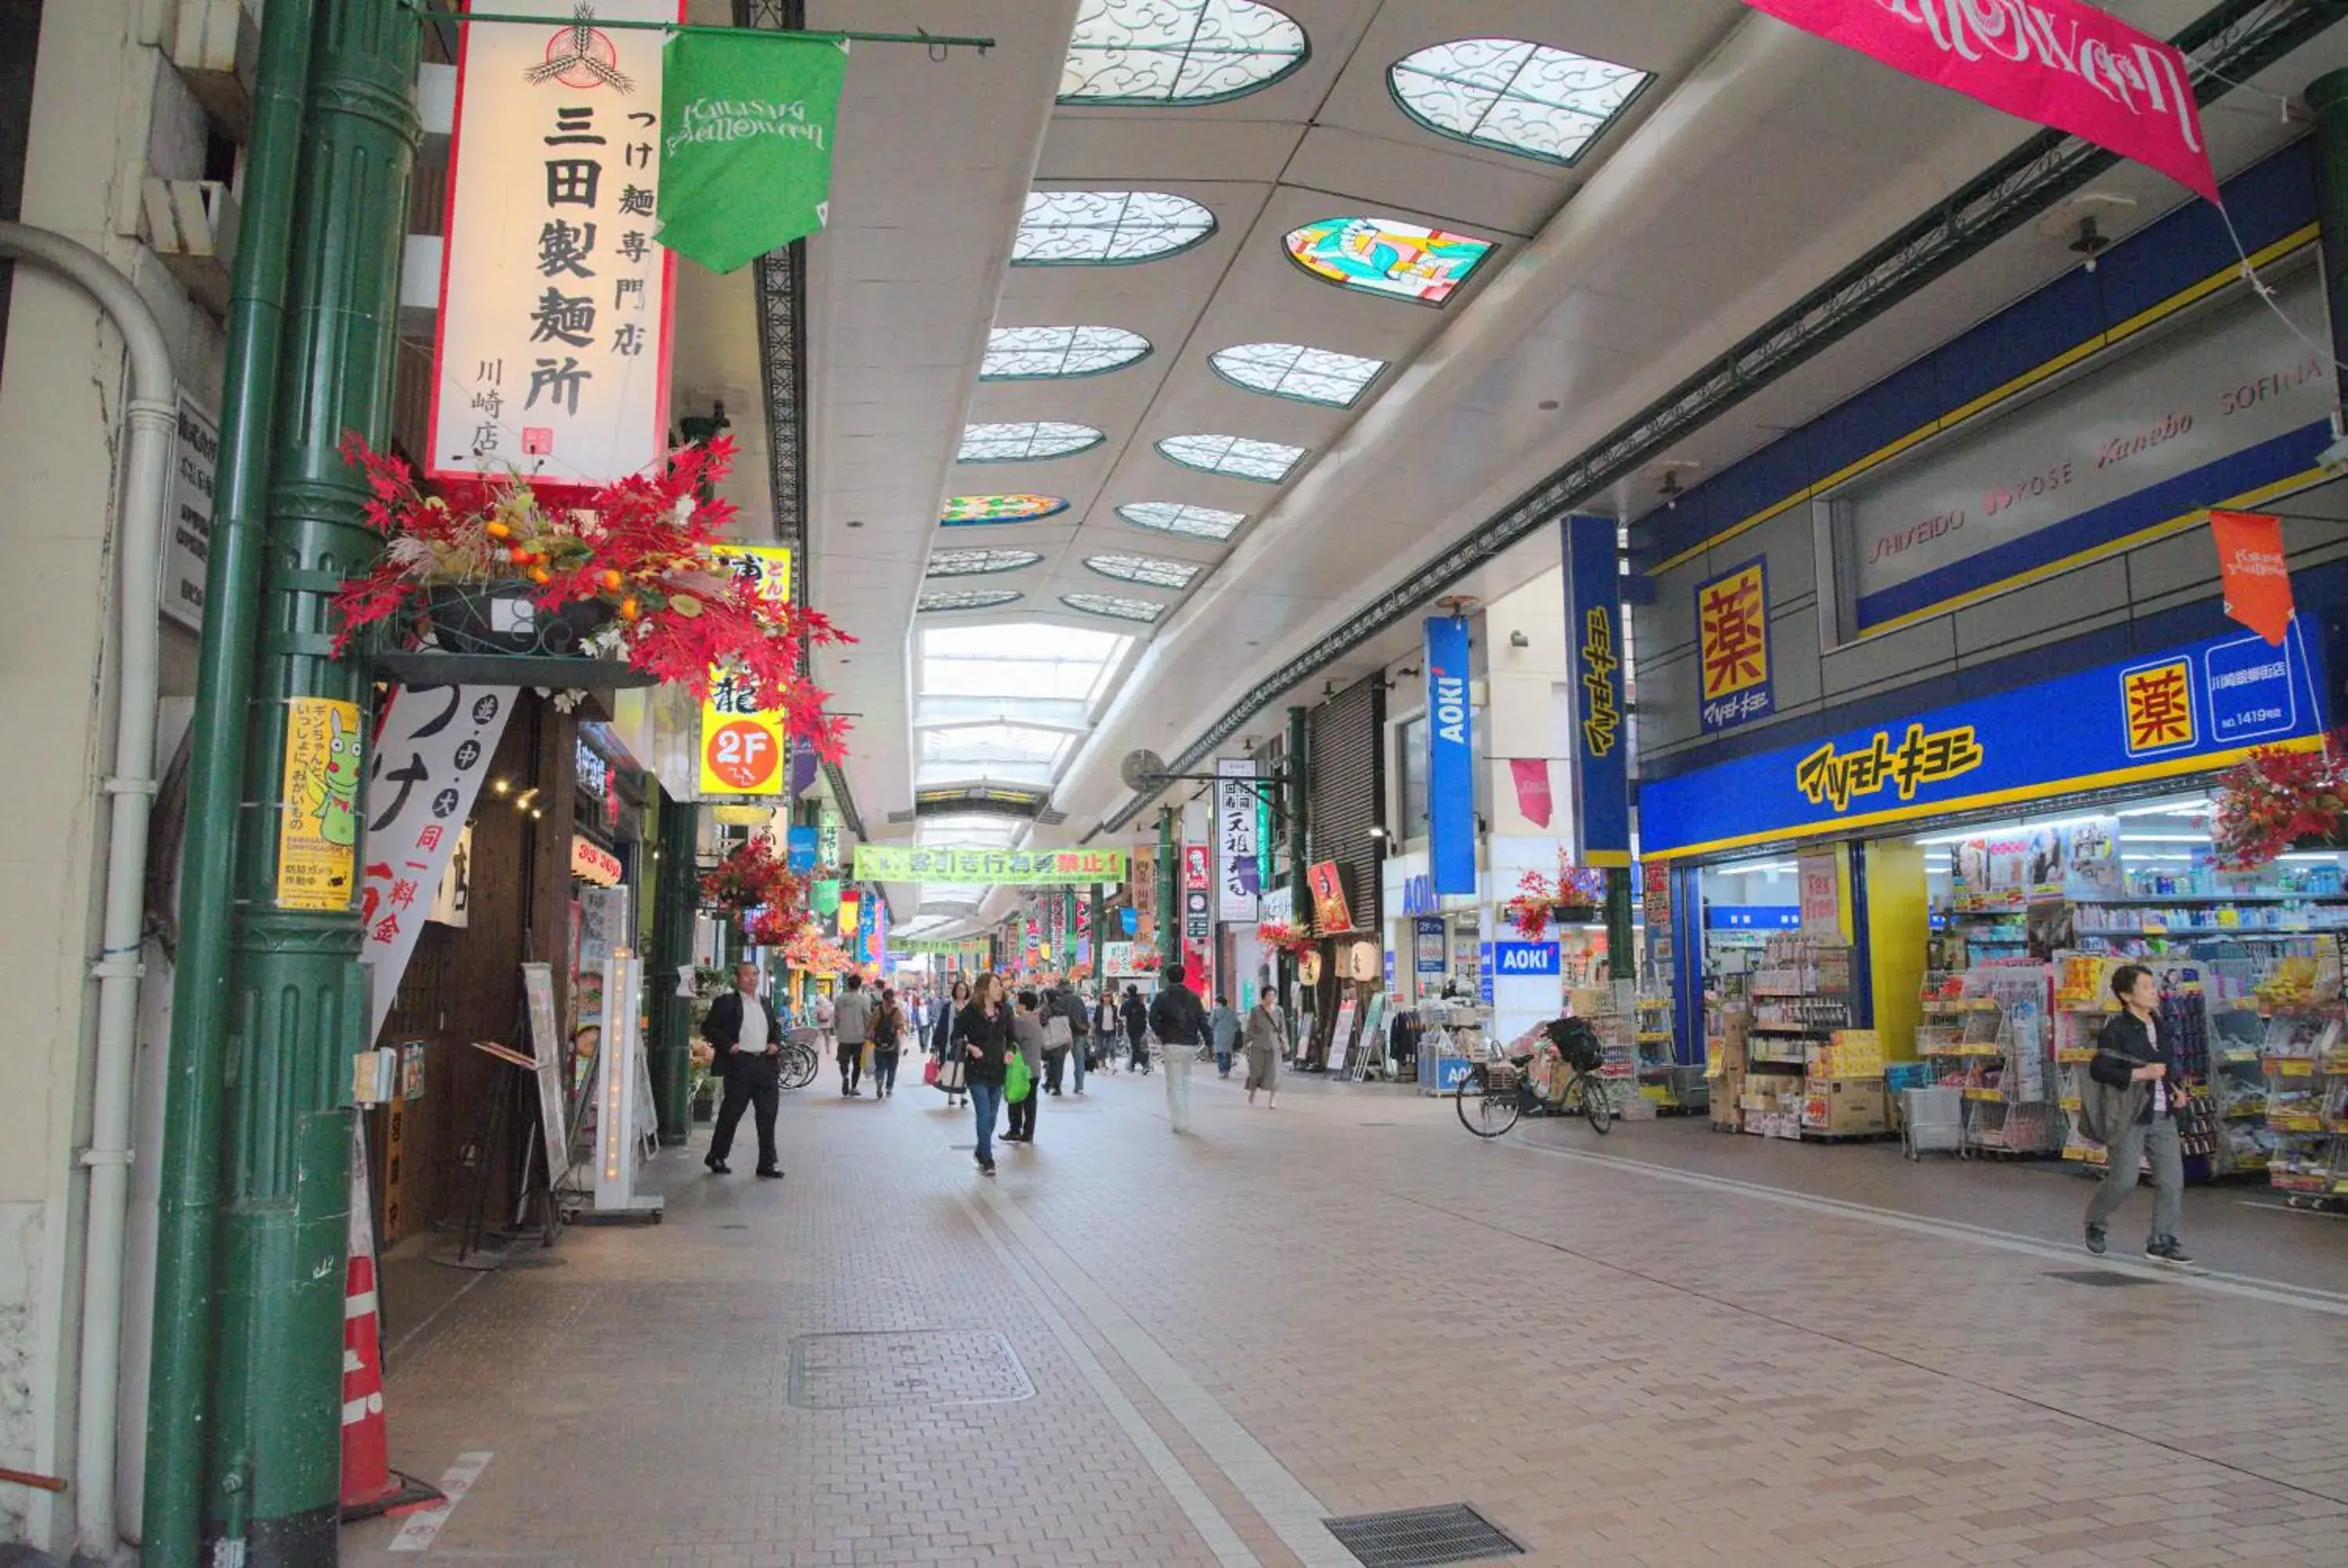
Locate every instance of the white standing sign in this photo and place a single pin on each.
(553, 349)
(188, 524)
(430, 758)
(1236, 869)
(623, 1084)
(552, 1076)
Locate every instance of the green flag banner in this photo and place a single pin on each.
(824, 898)
(746, 142)
(1006, 867)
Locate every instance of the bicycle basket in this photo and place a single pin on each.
(1577, 1044)
(1501, 1077)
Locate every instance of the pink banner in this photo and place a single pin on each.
(2058, 63)
(1531, 776)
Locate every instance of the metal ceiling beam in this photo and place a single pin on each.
(2229, 43)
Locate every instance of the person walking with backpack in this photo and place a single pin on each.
(983, 1039)
(1135, 1014)
(1027, 1034)
(851, 1021)
(887, 1034)
(2132, 1106)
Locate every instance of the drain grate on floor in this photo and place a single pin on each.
(1416, 1537)
(2102, 1278)
(928, 1367)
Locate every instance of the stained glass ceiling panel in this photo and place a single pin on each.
(975, 511)
(1292, 370)
(1174, 517)
(1178, 51)
(1031, 441)
(1075, 228)
(1152, 571)
(1379, 256)
(1514, 96)
(978, 563)
(1115, 606)
(1039, 354)
(1267, 462)
(965, 599)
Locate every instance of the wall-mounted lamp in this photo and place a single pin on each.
(1519, 639)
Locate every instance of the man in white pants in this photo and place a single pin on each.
(1180, 1024)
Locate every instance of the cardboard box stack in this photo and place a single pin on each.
(1843, 1089)
(1724, 1063)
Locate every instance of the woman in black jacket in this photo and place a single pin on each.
(982, 1037)
(2131, 1056)
(950, 1065)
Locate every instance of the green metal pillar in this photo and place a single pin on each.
(276, 1467)
(1169, 891)
(1621, 950)
(676, 896)
(202, 983)
(2327, 98)
(1296, 761)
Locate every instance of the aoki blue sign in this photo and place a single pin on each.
(1593, 645)
(1450, 758)
(1524, 959)
(2187, 710)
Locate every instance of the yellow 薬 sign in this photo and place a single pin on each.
(743, 746)
(318, 828)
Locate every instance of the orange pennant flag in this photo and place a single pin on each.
(2256, 577)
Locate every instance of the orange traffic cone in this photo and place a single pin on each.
(370, 1486)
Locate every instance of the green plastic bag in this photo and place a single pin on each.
(1017, 1081)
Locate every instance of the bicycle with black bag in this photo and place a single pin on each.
(1557, 1077)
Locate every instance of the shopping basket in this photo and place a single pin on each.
(1933, 1121)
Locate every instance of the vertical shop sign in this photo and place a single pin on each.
(553, 349)
(2253, 571)
(1450, 758)
(1144, 925)
(188, 519)
(1429, 939)
(430, 756)
(1819, 893)
(827, 843)
(743, 745)
(1601, 747)
(318, 832)
(1732, 626)
(1198, 909)
(802, 850)
(1235, 809)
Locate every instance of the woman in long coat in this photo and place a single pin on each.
(1264, 1031)
(953, 1068)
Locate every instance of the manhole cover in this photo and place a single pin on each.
(1416, 1536)
(931, 1366)
(2102, 1278)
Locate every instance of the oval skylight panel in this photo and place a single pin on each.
(1380, 256)
(1267, 462)
(1177, 51)
(1293, 371)
(1037, 354)
(1077, 228)
(1152, 571)
(965, 599)
(974, 511)
(1174, 517)
(1115, 606)
(1514, 96)
(1027, 442)
(978, 563)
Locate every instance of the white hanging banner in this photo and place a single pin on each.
(434, 746)
(1238, 870)
(553, 356)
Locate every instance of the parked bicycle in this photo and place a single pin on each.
(798, 1058)
(1493, 1096)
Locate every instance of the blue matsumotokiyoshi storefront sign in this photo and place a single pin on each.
(2185, 711)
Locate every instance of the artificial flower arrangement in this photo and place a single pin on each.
(1575, 892)
(1146, 961)
(754, 875)
(1283, 938)
(626, 576)
(2275, 799)
(811, 952)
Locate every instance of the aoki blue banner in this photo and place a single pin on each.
(1593, 646)
(1450, 758)
(2162, 716)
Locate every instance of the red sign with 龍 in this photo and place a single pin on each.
(2059, 63)
(2256, 576)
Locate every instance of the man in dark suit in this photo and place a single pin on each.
(748, 1038)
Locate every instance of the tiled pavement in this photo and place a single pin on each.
(1347, 1305)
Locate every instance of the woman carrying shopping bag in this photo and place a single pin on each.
(949, 1069)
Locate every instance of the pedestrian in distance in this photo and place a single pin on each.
(1180, 1021)
(1063, 1035)
(1107, 1027)
(1027, 1033)
(887, 1034)
(1224, 1025)
(2134, 1061)
(748, 1039)
(954, 1067)
(851, 1021)
(1264, 1031)
(983, 1039)
(1135, 1013)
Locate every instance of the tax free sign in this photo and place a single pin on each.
(2184, 711)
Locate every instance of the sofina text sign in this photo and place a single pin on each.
(1524, 959)
(2181, 712)
(1450, 758)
